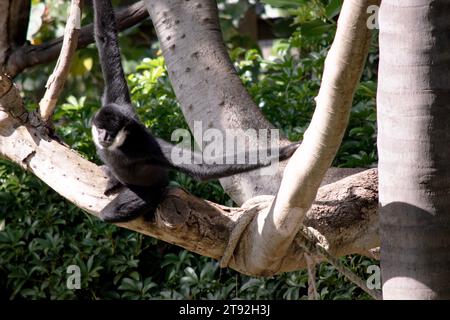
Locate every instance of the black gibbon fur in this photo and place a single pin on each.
(132, 157)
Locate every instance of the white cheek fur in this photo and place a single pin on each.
(118, 140)
(95, 137)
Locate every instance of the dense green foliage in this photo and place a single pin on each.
(41, 234)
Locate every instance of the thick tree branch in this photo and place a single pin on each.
(197, 60)
(29, 55)
(56, 81)
(274, 230)
(345, 212)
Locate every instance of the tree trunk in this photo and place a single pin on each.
(414, 148)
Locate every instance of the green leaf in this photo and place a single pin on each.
(128, 284)
(191, 273)
(315, 28)
(135, 276)
(251, 284)
(333, 8)
(89, 263)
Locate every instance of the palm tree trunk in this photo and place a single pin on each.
(414, 148)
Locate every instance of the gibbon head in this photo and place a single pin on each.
(109, 127)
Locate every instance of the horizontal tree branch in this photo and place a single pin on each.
(345, 212)
(29, 55)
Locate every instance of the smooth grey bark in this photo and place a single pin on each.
(206, 83)
(414, 148)
(207, 86)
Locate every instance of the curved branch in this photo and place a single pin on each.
(56, 81)
(345, 212)
(276, 228)
(198, 61)
(29, 55)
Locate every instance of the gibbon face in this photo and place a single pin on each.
(109, 127)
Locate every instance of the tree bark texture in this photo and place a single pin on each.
(206, 83)
(414, 148)
(272, 232)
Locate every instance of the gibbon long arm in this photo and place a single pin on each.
(105, 31)
(205, 169)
